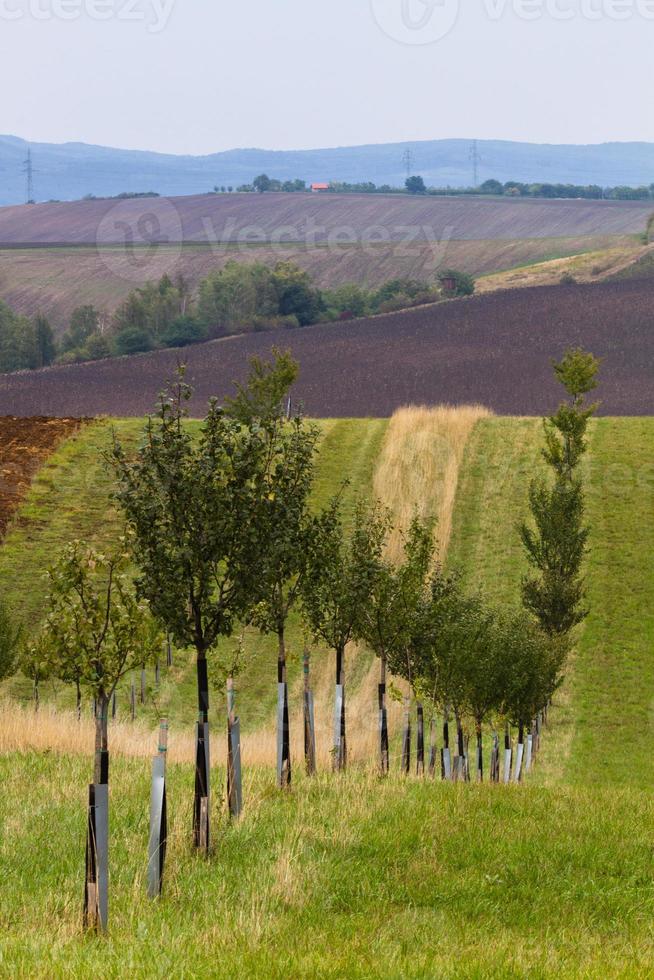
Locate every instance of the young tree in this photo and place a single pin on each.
(198, 511)
(556, 542)
(286, 521)
(530, 673)
(268, 384)
(96, 630)
(393, 621)
(336, 587)
(46, 348)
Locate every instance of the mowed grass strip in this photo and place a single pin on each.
(603, 722)
(613, 680)
(346, 876)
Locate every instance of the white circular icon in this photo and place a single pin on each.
(415, 21)
(139, 238)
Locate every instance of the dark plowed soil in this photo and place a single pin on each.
(493, 349)
(24, 444)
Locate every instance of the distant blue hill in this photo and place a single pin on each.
(69, 171)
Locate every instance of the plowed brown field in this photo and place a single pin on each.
(24, 444)
(493, 349)
(315, 218)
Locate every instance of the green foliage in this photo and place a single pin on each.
(557, 544)
(295, 294)
(10, 635)
(262, 396)
(95, 629)
(46, 348)
(350, 299)
(195, 507)
(230, 297)
(133, 340)
(84, 321)
(96, 347)
(183, 331)
(415, 185)
(262, 183)
(19, 342)
(287, 526)
(341, 573)
(393, 621)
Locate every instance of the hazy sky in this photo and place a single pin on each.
(196, 76)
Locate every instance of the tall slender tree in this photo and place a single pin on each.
(555, 541)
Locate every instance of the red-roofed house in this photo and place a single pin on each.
(319, 188)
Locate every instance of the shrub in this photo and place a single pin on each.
(133, 340)
(96, 348)
(183, 331)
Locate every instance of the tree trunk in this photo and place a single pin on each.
(446, 764)
(340, 742)
(309, 720)
(78, 700)
(283, 734)
(420, 742)
(432, 747)
(517, 774)
(406, 737)
(36, 695)
(507, 754)
(202, 766)
(461, 767)
(101, 764)
(383, 719)
(480, 754)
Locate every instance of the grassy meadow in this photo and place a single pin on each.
(351, 876)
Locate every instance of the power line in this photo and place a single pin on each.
(28, 170)
(407, 160)
(475, 158)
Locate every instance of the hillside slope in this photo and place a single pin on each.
(55, 280)
(494, 349)
(279, 218)
(355, 876)
(71, 170)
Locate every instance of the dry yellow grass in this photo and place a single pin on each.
(52, 730)
(588, 267)
(418, 470)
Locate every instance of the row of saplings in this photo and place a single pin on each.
(222, 532)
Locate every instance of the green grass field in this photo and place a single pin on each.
(353, 877)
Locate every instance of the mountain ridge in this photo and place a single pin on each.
(71, 170)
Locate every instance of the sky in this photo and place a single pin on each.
(199, 76)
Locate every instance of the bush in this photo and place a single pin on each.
(567, 279)
(96, 348)
(133, 340)
(183, 331)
